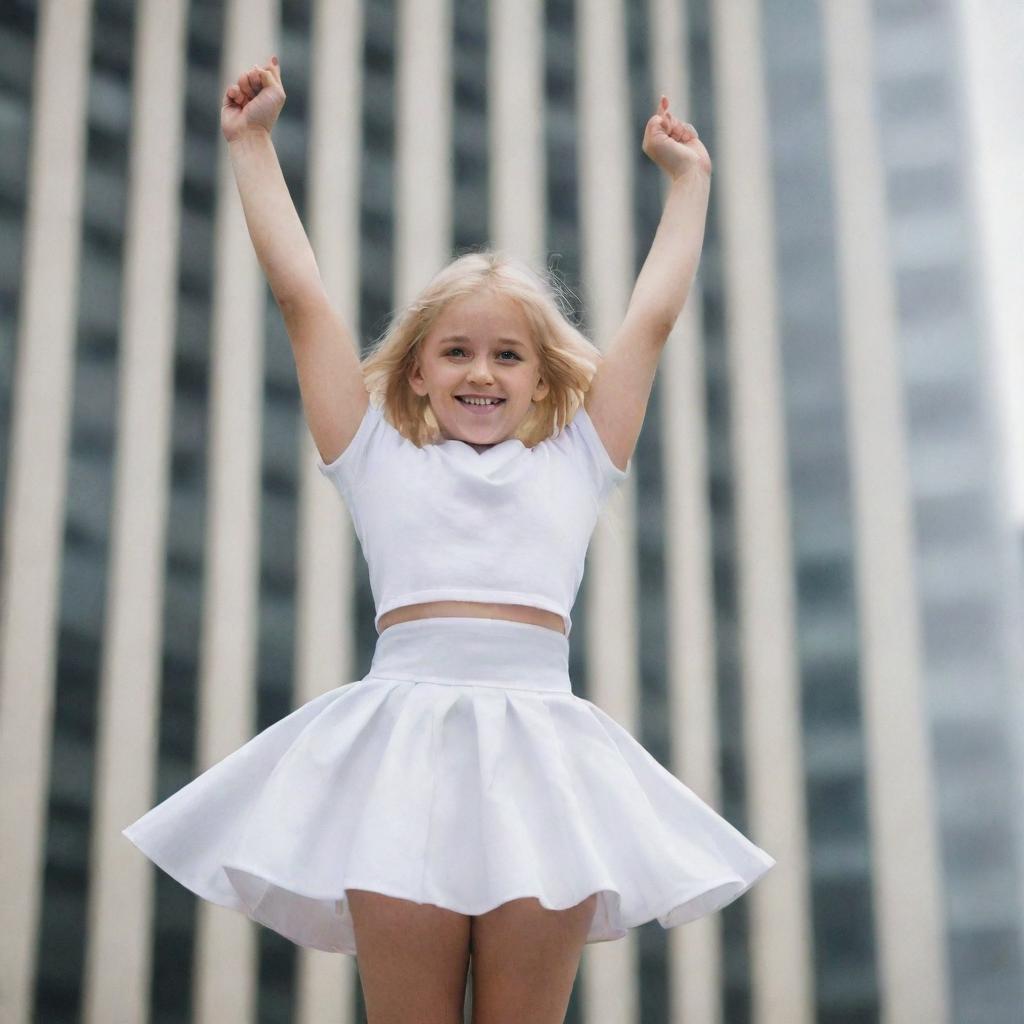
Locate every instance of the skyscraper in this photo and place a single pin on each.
(805, 603)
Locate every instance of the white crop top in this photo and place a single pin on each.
(508, 525)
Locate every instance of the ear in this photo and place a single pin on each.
(416, 381)
(543, 388)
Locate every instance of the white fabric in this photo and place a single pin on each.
(461, 771)
(509, 525)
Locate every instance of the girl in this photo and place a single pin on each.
(459, 805)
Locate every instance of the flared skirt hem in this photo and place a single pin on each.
(250, 890)
(460, 796)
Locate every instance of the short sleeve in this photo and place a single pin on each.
(605, 474)
(349, 468)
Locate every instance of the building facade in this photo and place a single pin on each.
(805, 602)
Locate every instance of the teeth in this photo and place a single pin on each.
(480, 401)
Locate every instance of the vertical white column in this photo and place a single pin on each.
(423, 144)
(117, 968)
(515, 122)
(226, 942)
(904, 836)
(989, 38)
(324, 649)
(695, 951)
(37, 483)
(607, 141)
(780, 918)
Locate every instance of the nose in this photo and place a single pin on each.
(479, 371)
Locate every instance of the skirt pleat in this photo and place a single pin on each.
(463, 793)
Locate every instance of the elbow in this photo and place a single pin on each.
(298, 295)
(657, 325)
(663, 327)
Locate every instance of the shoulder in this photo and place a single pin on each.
(579, 441)
(375, 439)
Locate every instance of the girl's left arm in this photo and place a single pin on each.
(664, 281)
(621, 387)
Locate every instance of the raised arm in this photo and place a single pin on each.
(621, 388)
(331, 384)
(664, 282)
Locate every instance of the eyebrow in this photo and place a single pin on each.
(462, 338)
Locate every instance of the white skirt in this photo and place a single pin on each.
(461, 771)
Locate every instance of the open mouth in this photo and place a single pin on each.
(481, 408)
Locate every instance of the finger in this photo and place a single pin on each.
(244, 85)
(682, 130)
(272, 81)
(248, 84)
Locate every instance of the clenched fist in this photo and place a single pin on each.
(673, 145)
(254, 102)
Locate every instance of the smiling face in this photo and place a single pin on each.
(479, 345)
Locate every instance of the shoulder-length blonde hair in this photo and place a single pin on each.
(568, 359)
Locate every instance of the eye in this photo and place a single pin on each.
(508, 351)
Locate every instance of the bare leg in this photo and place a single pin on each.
(525, 960)
(412, 959)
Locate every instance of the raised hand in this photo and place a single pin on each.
(254, 102)
(673, 145)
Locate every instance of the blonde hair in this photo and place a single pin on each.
(568, 359)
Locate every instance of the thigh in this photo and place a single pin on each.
(524, 960)
(412, 959)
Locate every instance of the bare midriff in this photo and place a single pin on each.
(474, 609)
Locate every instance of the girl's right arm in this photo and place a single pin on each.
(334, 396)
